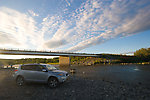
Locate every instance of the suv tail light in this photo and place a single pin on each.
(16, 70)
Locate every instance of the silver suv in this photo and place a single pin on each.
(40, 73)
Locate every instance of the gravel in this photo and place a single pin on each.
(76, 88)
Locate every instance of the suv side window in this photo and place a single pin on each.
(39, 67)
(32, 67)
(26, 67)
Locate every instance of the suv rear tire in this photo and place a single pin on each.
(52, 82)
(20, 81)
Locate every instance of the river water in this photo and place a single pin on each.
(136, 74)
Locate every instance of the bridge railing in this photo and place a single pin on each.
(45, 51)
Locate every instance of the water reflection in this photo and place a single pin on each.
(136, 69)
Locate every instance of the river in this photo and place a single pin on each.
(136, 74)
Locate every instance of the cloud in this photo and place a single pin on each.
(4, 38)
(117, 19)
(16, 29)
(86, 43)
(67, 2)
(55, 43)
(93, 23)
(96, 22)
(32, 13)
(141, 22)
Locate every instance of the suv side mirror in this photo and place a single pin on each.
(44, 70)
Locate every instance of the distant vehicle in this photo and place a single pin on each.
(15, 66)
(5, 67)
(44, 73)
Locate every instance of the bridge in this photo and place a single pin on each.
(64, 58)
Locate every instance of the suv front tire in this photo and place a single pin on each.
(52, 82)
(20, 81)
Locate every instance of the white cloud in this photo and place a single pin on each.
(4, 38)
(119, 18)
(17, 29)
(67, 2)
(84, 44)
(55, 43)
(96, 4)
(108, 20)
(32, 13)
(95, 22)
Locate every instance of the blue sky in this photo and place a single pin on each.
(89, 26)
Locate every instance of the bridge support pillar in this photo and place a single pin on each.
(64, 61)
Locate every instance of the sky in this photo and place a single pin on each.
(84, 26)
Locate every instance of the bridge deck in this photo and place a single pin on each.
(44, 53)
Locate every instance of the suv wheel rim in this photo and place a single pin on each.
(20, 81)
(52, 83)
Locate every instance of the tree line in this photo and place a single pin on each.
(143, 55)
(27, 60)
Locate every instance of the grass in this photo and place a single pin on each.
(53, 63)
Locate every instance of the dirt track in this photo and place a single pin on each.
(76, 88)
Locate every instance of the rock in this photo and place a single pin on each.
(65, 93)
(140, 83)
(28, 92)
